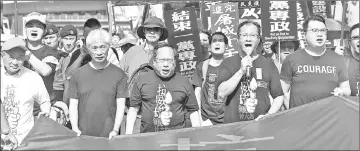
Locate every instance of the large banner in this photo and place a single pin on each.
(184, 36)
(224, 18)
(249, 10)
(279, 20)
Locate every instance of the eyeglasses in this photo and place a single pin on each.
(155, 29)
(165, 60)
(253, 36)
(355, 38)
(315, 30)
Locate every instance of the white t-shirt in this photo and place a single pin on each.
(18, 94)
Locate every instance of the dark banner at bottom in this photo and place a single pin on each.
(328, 124)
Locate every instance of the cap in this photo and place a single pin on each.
(13, 43)
(68, 30)
(35, 16)
(51, 29)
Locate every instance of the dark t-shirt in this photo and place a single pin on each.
(354, 76)
(211, 106)
(312, 77)
(150, 93)
(76, 54)
(51, 57)
(267, 77)
(97, 91)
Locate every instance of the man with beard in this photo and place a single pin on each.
(97, 91)
(51, 36)
(20, 89)
(43, 59)
(352, 61)
(208, 76)
(314, 73)
(240, 106)
(163, 96)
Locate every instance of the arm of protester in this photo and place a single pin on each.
(66, 97)
(340, 50)
(121, 94)
(197, 81)
(135, 104)
(74, 104)
(235, 72)
(5, 128)
(344, 85)
(285, 79)
(42, 97)
(78, 56)
(40, 66)
(192, 106)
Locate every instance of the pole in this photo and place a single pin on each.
(279, 49)
(16, 19)
(110, 19)
(343, 22)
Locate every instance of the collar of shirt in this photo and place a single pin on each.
(148, 48)
(92, 65)
(70, 54)
(7, 74)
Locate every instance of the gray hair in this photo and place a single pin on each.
(98, 35)
(161, 45)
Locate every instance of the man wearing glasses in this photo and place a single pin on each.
(163, 96)
(314, 73)
(239, 106)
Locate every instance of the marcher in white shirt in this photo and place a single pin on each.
(20, 88)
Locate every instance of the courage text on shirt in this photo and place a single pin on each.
(316, 69)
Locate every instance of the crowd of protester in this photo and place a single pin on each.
(109, 84)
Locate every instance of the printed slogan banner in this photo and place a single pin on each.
(320, 7)
(205, 13)
(249, 10)
(281, 17)
(301, 15)
(224, 18)
(184, 36)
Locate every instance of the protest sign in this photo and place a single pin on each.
(279, 20)
(320, 7)
(184, 36)
(224, 18)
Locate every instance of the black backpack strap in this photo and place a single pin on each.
(116, 53)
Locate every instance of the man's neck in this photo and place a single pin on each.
(355, 55)
(151, 44)
(216, 60)
(317, 51)
(34, 45)
(99, 65)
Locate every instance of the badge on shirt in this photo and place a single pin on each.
(258, 74)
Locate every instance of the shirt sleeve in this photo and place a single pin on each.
(343, 71)
(286, 70)
(230, 66)
(42, 94)
(197, 76)
(275, 85)
(122, 88)
(73, 87)
(135, 97)
(191, 104)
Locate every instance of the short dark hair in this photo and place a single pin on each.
(92, 23)
(354, 27)
(226, 40)
(161, 45)
(205, 32)
(315, 17)
(249, 22)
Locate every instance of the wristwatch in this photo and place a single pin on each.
(28, 55)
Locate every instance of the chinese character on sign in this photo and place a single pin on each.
(318, 2)
(187, 55)
(279, 5)
(227, 30)
(248, 12)
(279, 26)
(183, 15)
(185, 45)
(319, 9)
(256, 4)
(242, 4)
(182, 26)
(282, 15)
(229, 8)
(218, 10)
(224, 19)
(298, 6)
(300, 16)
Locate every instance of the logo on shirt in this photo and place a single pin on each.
(11, 106)
(316, 69)
(162, 113)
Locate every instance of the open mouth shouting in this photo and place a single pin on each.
(319, 40)
(165, 71)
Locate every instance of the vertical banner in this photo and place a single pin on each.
(320, 7)
(279, 20)
(184, 36)
(301, 15)
(224, 18)
(205, 13)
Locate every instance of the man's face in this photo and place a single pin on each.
(355, 40)
(266, 46)
(51, 40)
(204, 39)
(152, 34)
(165, 61)
(69, 43)
(87, 31)
(249, 38)
(13, 60)
(218, 44)
(316, 34)
(115, 39)
(34, 31)
(98, 51)
(286, 48)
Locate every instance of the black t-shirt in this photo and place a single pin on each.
(150, 93)
(268, 80)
